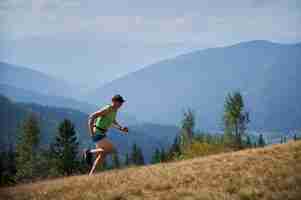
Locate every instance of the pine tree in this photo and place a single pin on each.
(163, 156)
(134, 154)
(188, 124)
(65, 148)
(248, 142)
(140, 157)
(175, 149)
(156, 158)
(127, 160)
(137, 157)
(261, 141)
(235, 119)
(27, 149)
(115, 160)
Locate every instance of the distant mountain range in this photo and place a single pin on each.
(27, 96)
(22, 84)
(25, 78)
(266, 73)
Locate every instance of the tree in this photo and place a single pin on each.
(127, 160)
(261, 141)
(163, 156)
(115, 160)
(7, 168)
(248, 142)
(156, 158)
(188, 124)
(137, 157)
(27, 149)
(175, 149)
(140, 157)
(235, 118)
(65, 148)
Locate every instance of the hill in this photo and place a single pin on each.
(28, 79)
(266, 73)
(268, 173)
(27, 96)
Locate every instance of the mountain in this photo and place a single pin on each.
(265, 173)
(147, 136)
(25, 85)
(27, 96)
(266, 73)
(25, 78)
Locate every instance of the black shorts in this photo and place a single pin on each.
(98, 136)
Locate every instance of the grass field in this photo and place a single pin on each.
(272, 173)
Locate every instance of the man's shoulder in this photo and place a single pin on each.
(106, 108)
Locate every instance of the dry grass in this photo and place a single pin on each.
(269, 173)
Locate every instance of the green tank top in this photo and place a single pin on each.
(105, 122)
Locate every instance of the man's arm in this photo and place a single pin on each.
(93, 117)
(119, 127)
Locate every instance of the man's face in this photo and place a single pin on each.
(117, 104)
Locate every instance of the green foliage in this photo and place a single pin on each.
(159, 156)
(64, 150)
(188, 124)
(127, 160)
(7, 168)
(235, 119)
(115, 160)
(261, 141)
(27, 160)
(137, 157)
(156, 158)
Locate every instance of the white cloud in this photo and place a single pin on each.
(195, 21)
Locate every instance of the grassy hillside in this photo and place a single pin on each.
(270, 173)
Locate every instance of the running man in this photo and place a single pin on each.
(99, 123)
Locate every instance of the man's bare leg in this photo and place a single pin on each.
(103, 148)
(99, 160)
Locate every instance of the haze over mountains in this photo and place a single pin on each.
(267, 74)
(21, 77)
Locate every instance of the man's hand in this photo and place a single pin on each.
(125, 129)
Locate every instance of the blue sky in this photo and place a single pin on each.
(94, 41)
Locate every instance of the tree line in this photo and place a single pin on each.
(30, 161)
(189, 143)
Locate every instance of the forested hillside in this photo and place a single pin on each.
(148, 136)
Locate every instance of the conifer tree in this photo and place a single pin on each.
(137, 157)
(156, 157)
(65, 148)
(115, 160)
(248, 142)
(163, 156)
(235, 119)
(27, 149)
(261, 141)
(127, 160)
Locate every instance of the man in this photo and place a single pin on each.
(99, 123)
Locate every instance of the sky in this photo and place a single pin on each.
(91, 42)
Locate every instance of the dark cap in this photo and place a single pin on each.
(118, 98)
